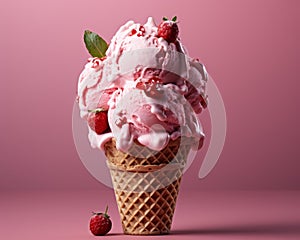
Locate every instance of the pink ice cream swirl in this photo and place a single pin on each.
(151, 89)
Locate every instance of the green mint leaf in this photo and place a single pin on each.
(165, 18)
(95, 44)
(174, 19)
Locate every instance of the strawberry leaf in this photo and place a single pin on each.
(165, 18)
(95, 44)
(174, 19)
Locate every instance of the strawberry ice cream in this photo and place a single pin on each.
(148, 86)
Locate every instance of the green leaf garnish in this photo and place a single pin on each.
(95, 44)
(174, 19)
(165, 18)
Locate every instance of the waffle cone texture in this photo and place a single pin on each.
(146, 184)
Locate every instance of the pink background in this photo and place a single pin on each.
(250, 48)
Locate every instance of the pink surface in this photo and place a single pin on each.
(199, 215)
(250, 47)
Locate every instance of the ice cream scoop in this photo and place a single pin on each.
(149, 86)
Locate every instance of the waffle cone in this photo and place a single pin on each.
(146, 185)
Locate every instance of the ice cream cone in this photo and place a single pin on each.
(146, 184)
(140, 95)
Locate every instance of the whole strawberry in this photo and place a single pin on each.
(100, 223)
(168, 30)
(97, 120)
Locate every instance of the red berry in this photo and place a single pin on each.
(133, 31)
(98, 121)
(100, 223)
(168, 30)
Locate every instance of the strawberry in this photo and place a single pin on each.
(97, 120)
(100, 223)
(168, 30)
